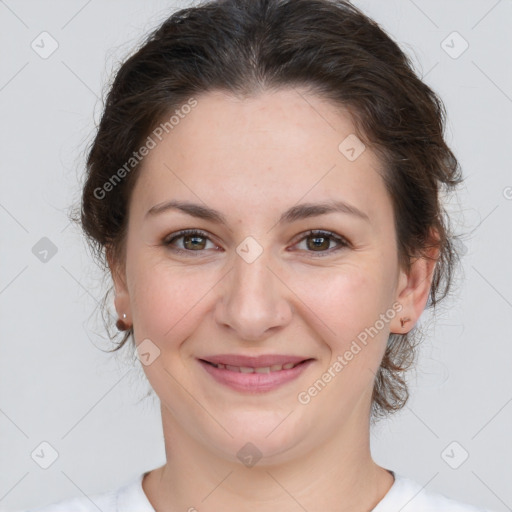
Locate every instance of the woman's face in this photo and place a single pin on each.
(254, 282)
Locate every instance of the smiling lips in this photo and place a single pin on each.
(278, 362)
(254, 374)
(257, 369)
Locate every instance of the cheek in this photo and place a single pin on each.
(168, 303)
(164, 297)
(346, 299)
(350, 303)
(168, 299)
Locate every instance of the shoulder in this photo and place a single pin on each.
(128, 498)
(407, 495)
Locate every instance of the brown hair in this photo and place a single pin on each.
(247, 46)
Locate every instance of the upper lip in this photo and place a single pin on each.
(254, 361)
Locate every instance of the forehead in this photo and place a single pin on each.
(275, 148)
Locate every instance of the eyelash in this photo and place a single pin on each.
(313, 232)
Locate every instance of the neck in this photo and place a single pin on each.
(337, 475)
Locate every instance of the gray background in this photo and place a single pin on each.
(57, 386)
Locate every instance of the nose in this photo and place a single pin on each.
(254, 301)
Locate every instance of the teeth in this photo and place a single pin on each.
(263, 369)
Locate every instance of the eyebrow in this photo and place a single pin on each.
(298, 212)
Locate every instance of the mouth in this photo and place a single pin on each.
(255, 369)
(257, 377)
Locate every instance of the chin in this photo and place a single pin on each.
(267, 437)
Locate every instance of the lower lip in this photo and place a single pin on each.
(255, 382)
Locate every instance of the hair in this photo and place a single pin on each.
(245, 47)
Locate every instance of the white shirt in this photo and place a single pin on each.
(405, 495)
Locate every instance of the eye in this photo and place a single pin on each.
(321, 240)
(194, 240)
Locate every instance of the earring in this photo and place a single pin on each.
(403, 321)
(122, 325)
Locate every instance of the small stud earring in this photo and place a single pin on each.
(121, 325)
(403, 321)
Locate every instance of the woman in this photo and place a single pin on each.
(265, 186)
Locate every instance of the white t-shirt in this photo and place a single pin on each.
(405, 495)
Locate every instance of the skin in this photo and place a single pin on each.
(252, 159)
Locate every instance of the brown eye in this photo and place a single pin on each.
(192, 241)
(320, 241)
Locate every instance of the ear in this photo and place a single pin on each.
(122, 299)
(414, 288)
